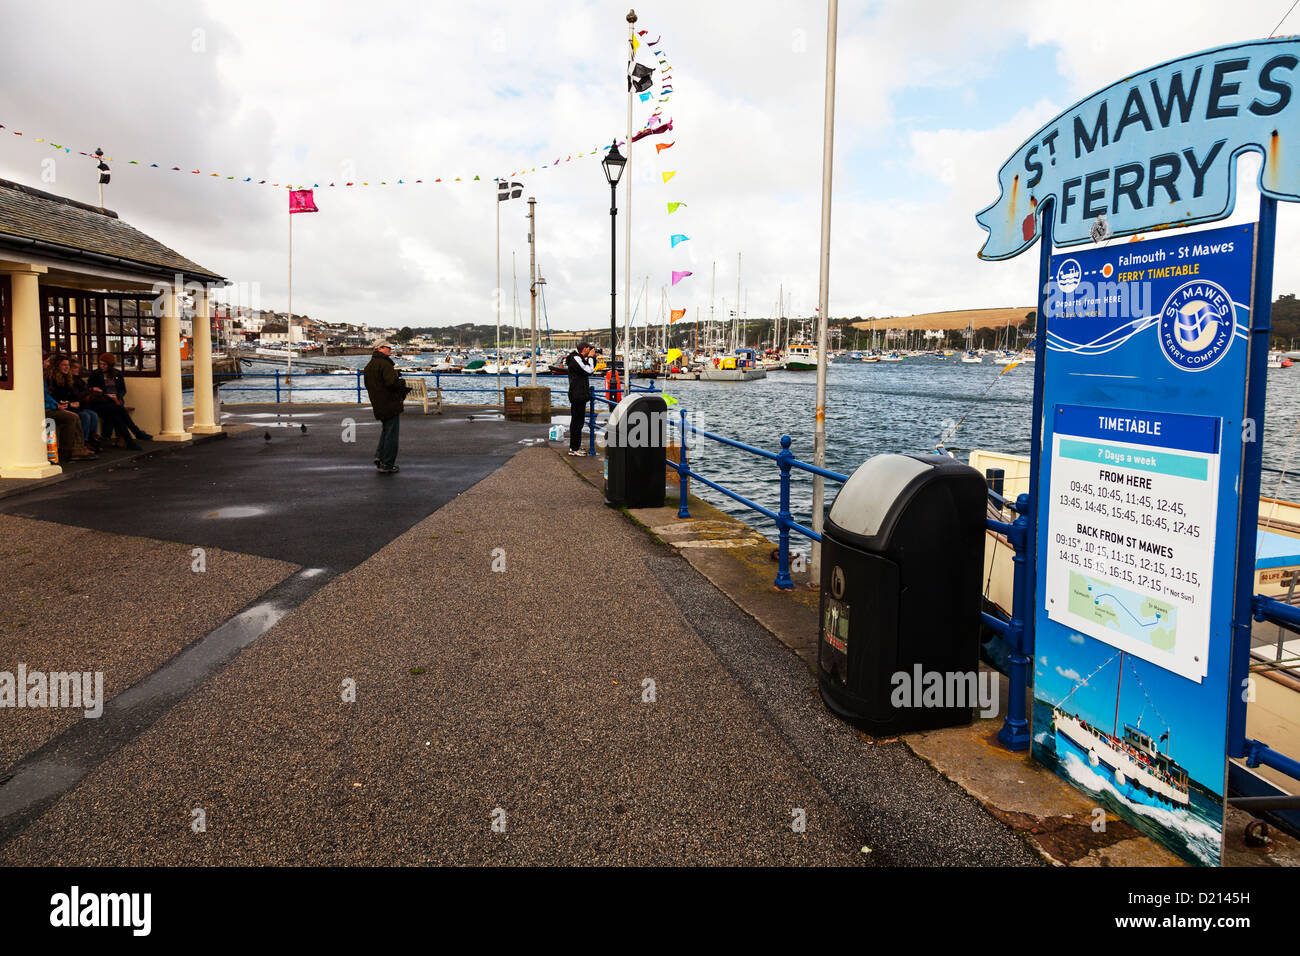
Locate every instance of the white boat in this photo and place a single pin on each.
(972, 358)
(1139, 770)
(800, 358)
(891, 357)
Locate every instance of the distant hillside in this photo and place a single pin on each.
(979, 318)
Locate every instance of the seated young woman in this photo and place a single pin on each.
(68, 427)
(70, 394)
(108, 388)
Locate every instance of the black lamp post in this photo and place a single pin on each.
(613, 164)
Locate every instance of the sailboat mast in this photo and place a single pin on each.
(735, 325)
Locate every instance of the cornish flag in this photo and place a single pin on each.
(507, 190)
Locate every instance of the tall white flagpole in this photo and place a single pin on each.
(497, 296)
(627, 202)
(288, 321)
(823, 287)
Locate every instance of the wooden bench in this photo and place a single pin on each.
(420, 392)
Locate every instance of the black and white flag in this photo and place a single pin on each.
(508, 190)
(640, 78)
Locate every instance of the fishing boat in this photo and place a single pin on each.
(800, 358)
(1131, 761)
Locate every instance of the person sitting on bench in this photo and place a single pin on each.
(108, 386)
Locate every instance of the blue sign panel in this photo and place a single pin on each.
(1144, 403)
(1158, 148)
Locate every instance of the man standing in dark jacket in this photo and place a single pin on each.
(579, 363)
(387, 397)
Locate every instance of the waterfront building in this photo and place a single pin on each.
(76, 279)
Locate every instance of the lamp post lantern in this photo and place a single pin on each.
(613, 164)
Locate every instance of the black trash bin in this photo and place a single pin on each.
(901, 561)
(636, 439)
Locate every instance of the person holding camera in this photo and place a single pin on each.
(387, 392)
(580, 364)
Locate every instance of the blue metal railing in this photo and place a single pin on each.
(284, 385)
(1015, 733)
(785, 460)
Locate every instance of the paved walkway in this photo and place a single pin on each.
(513, 697)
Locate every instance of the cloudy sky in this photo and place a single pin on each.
(932, 97)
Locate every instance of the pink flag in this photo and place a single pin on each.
(300, 200)
(679, 276)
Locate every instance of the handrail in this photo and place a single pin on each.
(785, 460)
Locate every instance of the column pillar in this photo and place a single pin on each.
(169, 369)
(204, 423)
(22, 439)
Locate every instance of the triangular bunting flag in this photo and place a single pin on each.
(674, 206)
(679, 276)
(670, 174)
(678, 238)
(660, 147)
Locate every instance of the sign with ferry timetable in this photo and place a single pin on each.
(1131, 529)
(1144, 395)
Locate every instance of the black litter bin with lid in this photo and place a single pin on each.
(636, 441)
(901, 561)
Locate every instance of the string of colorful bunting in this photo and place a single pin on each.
(401, 181)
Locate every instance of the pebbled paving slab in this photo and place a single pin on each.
(513, 697)
(81, 600)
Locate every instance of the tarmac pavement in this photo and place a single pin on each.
(512, 674)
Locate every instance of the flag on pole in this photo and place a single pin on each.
(506, 190)
(675, 315)
(301, 200)
(640, 78)
(654, 131)
(679, 276)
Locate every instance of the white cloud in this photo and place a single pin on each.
(390, 90)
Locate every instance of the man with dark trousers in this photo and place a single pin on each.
(387, 400)
(579, 363)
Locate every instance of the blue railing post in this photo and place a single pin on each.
(591, 424)
(516, 379)
(358, 386)
(783, 580)
(1014, 734)
(277, 386)
(683, 474)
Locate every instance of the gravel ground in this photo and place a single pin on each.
(907, 813)
(527, 709)
(80, 600)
